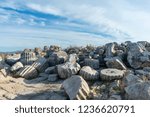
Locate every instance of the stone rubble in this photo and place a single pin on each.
(109, 72)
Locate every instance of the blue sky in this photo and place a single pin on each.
(35, 23)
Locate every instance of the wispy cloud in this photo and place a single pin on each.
(106, 20)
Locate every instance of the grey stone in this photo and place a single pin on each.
(43, 75)
(99, 50)
(115, 63)
(50, 70)
(27, 72)
(110, 50)
(115, 97)
(41, 64)
(138, 91)
(111, 74)
(72, 58)
(57, 58)
(12, 59)
(55, 48)
(38, 51)
(89, 73)
(76, 88)
(138, 56)
(146, 69)
(67, 70)
(144, 43)
(53, 77)
(37, 80)
(131, 79)
(46, 48)
(17, 66)
(94, 63)
(28, 57)
(143, 73)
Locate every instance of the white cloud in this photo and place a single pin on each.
(122, 19)
(44, 9)
(93, 15)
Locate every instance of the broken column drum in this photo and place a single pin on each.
(28, 57)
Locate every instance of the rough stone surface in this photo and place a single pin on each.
(110, 50)
(44, 75)
(12, 59)
(115, 63)
(57, 58)
(111, 74)
(138, 91)
(17, 66)
(67, 70)
(143, 73)
(51, 70)
(92, 63)
(53, 77)
(28, 57)
(89, 73)
(55, 48)
(131, 79)
(76, 88)
(41, 64)
(27, 72)
(138, 56)
(72, 58)
(115, 97)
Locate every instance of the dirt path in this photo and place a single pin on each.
(12, 88)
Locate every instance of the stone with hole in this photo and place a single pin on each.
(111, 74)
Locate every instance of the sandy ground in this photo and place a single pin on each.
(36, 89)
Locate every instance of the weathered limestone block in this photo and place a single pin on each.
(110, 50)
(12, 59)
(68, 69)
(115, 63)
(16, 67)
(130, 79)
(53, 77)
(94, 63)
(72, 58)
(138, 91)
(57, 58)
(76, 88)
